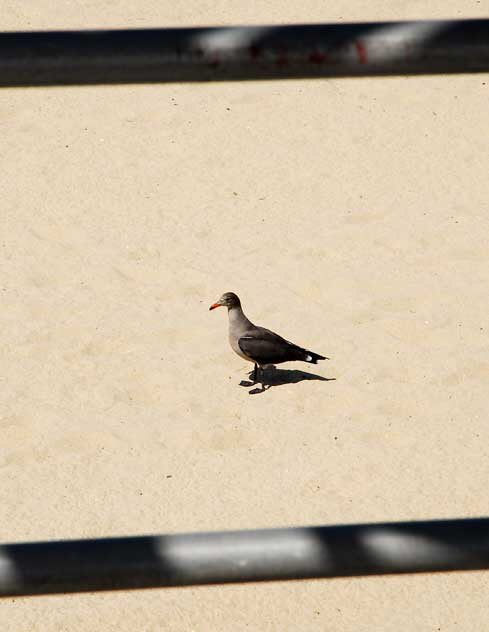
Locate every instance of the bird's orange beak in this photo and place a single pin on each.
(214, 305)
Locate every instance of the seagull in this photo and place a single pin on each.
(257, 344)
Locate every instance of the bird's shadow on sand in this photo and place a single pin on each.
(277, 377)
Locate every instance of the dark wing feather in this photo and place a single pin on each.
(266, 347)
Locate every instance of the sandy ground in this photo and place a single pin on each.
(350, 215)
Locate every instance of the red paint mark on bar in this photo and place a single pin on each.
(282, 59)
(361, 52)
(316, 57)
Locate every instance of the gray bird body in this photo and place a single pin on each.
(257, 344)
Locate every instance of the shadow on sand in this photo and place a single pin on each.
(276, 377)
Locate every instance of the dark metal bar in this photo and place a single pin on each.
(237, 53)
(243, 556)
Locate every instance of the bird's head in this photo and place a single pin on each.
(229, 300)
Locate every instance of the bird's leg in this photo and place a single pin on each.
(255, 374)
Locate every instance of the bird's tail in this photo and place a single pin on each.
(310, 356)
